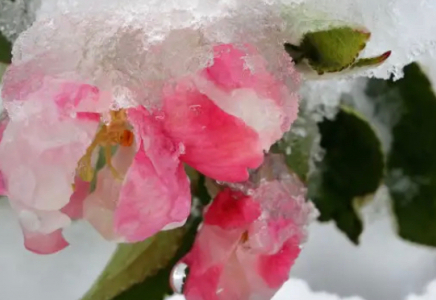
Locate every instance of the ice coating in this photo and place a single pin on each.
(403, 26)
(16, 16)
(131, 50)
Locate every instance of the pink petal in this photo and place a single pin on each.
(231, 210)
(22, 82)
(44, 243)
(99, 207)
(74, 208)
(233, 282)
(40, 150)
(215, 143)
(275, 268)
(235, 68)
(210, 254)
(203, 286)
(156, 190)
(240, 84)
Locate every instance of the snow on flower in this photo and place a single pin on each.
(250, 237)
(219, 120)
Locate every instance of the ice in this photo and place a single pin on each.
(16, 16)
(133, 49)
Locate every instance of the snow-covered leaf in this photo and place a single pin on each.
(330, 50)
(334, 50)
(411, 163)
(351, 168)
(133, 263)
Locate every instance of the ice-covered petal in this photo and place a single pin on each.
(239, 83)
(252, 256)
(28, 82)
(209, 256)
(274, 269)
(231, 210)
(215, 143)
(39, 155)
(156, 190)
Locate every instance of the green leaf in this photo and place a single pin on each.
(297, 144)
(411, 163)
(133, 263)
(351, 168)
(2, 69)
(158, 287)
(5, 50)
(333, 50)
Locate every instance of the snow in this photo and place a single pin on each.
(65, 275)
(330, 267)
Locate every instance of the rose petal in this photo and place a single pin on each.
(239, 83)
(231, 210)
(99, 207)
(74, 208)
(44, 243)
(215, 143)
(275, 268)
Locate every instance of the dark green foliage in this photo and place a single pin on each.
(352, 167)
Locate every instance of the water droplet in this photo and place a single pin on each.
(178, 277)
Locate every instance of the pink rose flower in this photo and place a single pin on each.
(250, 239)
(219, 121)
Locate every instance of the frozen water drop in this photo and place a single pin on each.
(178, 277)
